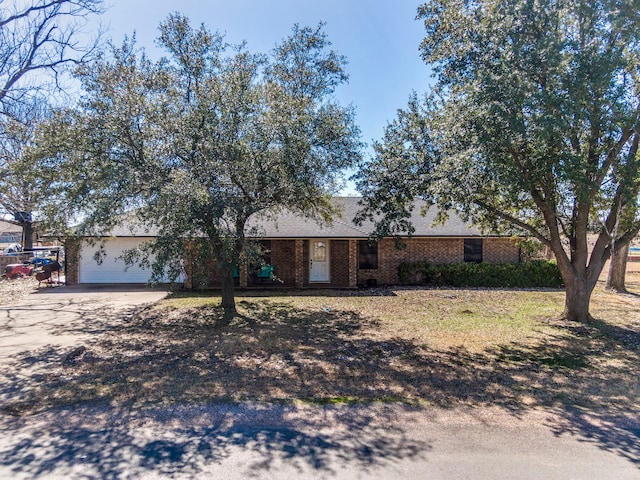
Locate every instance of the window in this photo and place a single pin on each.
(319, 251)
(367, 255)
(473, 250)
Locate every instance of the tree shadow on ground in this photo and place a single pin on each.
(64, 317)
(586, 374)
(26, 328)
(183, 441)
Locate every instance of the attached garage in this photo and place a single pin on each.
(112, 268)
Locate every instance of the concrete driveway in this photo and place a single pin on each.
(67, 316)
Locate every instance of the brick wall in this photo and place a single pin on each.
(199, 273)
(72, 261)
(283, 254)
(435, 250)
(305, 263)
(299, 262)
(339, 258)
(353, 263)
(339, 263)
(290, 259)
(496, 250)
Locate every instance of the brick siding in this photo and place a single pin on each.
(290, 259)
(299, 261)
(495, 250)
(339, 263)
(72, 261)
(199, 274)
(283, 254)
(353, 263)
(435, 250)
(305, 263)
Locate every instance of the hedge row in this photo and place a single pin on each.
(533, 274)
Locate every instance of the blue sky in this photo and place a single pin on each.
(380, 39)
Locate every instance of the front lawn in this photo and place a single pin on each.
(442, 347)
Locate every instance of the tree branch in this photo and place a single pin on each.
(515, 221)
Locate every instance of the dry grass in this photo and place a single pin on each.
(439, 319)
(14, 290)
(503, 348)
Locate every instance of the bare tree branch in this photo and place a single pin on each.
(41, 37)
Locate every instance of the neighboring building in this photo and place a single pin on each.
(10, 234)
(303, 254)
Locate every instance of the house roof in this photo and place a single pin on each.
(289, 225)
(9, 227)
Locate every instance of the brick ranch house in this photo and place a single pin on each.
(303, 254)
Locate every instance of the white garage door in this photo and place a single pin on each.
(112, 268)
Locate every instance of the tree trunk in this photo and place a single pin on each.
(228, 294)
(618, 268)
(27, 235)
(577, 297)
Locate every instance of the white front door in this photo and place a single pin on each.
(319, 261)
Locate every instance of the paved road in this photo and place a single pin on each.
(238, 441)
(285, 442)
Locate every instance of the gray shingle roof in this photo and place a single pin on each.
(289, 225)
(9, 227)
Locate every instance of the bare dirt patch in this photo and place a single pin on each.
(14, 290)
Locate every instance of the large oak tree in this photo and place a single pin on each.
(197, 143)
(531, 127)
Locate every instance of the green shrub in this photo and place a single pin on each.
(533, 274)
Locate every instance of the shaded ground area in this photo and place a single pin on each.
(266, 441)
(119, 388)
(587, 374)
(179, 441)
(277, 352)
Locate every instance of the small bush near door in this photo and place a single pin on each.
(533, 274)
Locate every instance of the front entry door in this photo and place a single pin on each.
(319, 261)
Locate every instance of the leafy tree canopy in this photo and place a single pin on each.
(531, 127)
(196, 143)
(25, 173)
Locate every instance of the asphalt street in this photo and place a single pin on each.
(305, 442)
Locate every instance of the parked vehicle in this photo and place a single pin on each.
(16, 270)
(13, 249)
